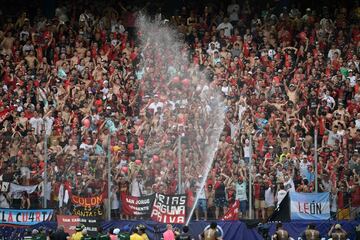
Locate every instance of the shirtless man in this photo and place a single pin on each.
(8, 43)
(31, 60)
(292, 92)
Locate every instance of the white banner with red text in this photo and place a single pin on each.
(309, 206)
(24, 217)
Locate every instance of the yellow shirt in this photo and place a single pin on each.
(77, 236)
(136, 236)
(145, 236)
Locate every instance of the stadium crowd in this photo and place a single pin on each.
(77, 81)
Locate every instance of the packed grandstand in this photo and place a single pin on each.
(287, 75)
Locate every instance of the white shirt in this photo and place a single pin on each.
(172, 103)
(24, 35)
(3, 202)
(246, 151)
(242, 109)
(216, 44)
(227, 28)
(204, 91)
(95, 118)
(352, 81)
(48, 121)
(327, 185)
(25, 172)
(114, 42)
(118, 28)
(28, 47)
(48, 190)
(289, 185)
(115, 204)
(36, 124)
(303, 168)
(202, 194)
(332, 138)
(332, 52)
(269, 198)
(154, 106)
(104, 90)
(85, 146)
(240, 191)
(137, 188)
(357, 123)
(330, 101)
(234, 127)
(333, 202)
(233, 12)
(280, 196)
(225, 90)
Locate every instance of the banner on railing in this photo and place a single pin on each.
(309, 206)
(24, 217)
(137, 206)
(87, 206)
(80, 211)
(16, 190)
(5, 186)
(69, 222)
(87, 201)
(169, 208)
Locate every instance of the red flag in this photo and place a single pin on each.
(233, 212)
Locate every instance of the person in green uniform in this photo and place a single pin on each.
(102, 235)
(28, 235)
(36, 235)
(124, 233)
(42, 233)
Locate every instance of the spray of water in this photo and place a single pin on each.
(165, 63)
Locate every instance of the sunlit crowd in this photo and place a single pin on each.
(88, 84)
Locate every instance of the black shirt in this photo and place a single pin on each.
(262, 192)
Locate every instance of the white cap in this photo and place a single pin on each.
(116, 231)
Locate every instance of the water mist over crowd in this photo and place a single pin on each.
(190, 108)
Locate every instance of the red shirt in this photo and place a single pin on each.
(257, 190)
(355, 197)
